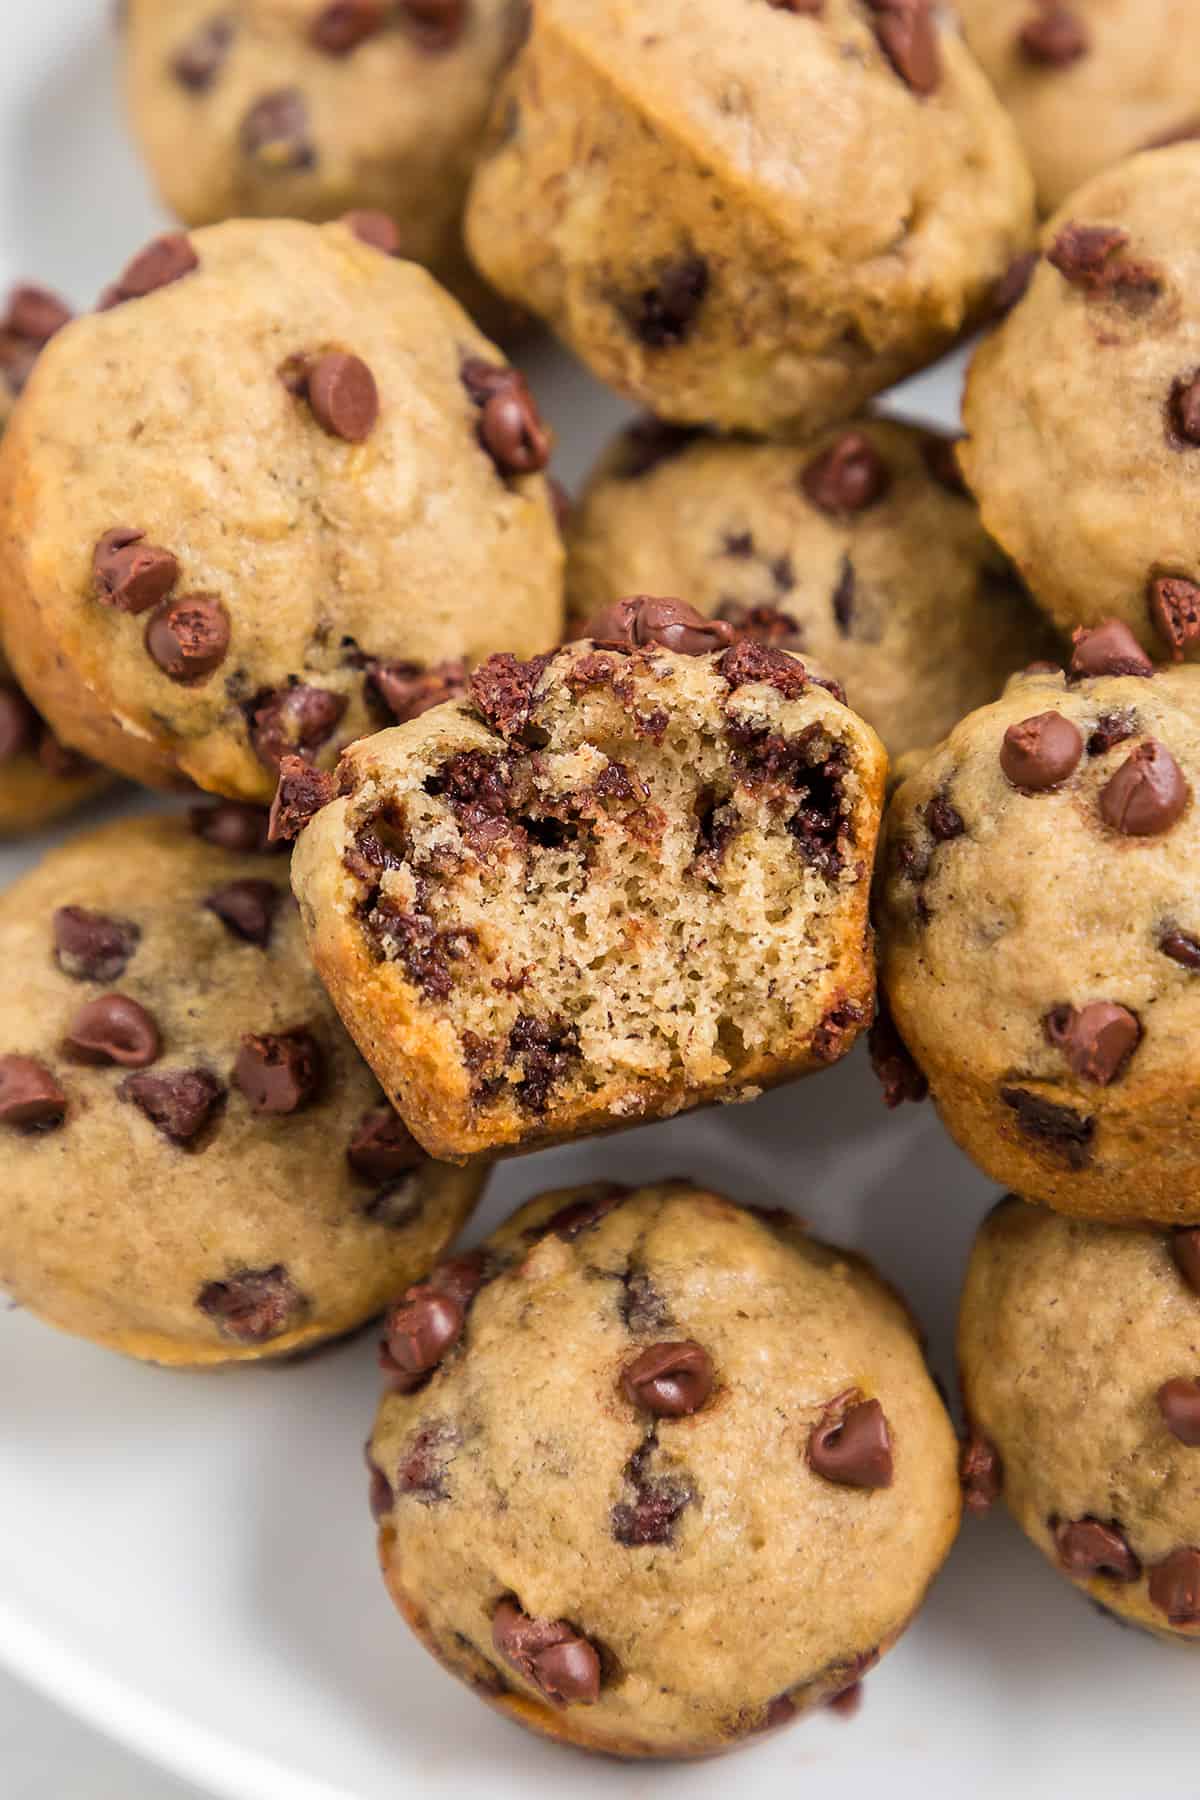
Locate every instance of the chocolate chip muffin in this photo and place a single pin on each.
(1083, 409)
(863, 549)
(614, 882)
(1090, 82)
(656, 1474)
(40, 779)
(1040, 938)
(275, 493)
(311, 108)
(198, 1166)
(1080, 1355)
(747, 214)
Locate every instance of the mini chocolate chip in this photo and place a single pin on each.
(230, 825)
(510, 426)
(663, 316)
(1097, 1040)
(279, 1071)
(343, 25)
(113, 1028)
(189, 637)
(253, 1305)
(180, 1103)
(1147, 794)
(1185, 1248)
(34, 314)
(247, 908)
(908, 38)
(1174, 1586)
(580, 1215)
(1183, 411)
(30, 1097)
(408, 689)
(383, 1146)
(293, 720)
(164, 260)
(1055, 37)
(199, 59)
(1179, 1403)
(343, 396)
(1181, 947)
(945, 822)
(649, 1517)
(422, 1469)
(1174, 606)
(1107, 649)
(1088, 257)
(980, 1473)
(1013, 285)
(19, 725)
(434, 25)
(275, 131)
(1056, 1127)
(848, 477)
(1038, 754)
(1086, 1548)
(92, 946)
(378, 229)
(641, 620)
(850, 1444)
(669, 1380)
(549, 1653)
(421, 1328)
(893, 1064)
(129, 573)
(300, 796)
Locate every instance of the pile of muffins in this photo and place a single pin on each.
(507, 822)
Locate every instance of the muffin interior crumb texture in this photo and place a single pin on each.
(629, 872)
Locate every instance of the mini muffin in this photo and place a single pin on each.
(1090, 82)
(1080, 1354)
(749, 215)
(40, 779)
(656, 1474)
(199, 1168)
(617, 881)
(310, 108)
(1040, 933)
(863, 550)
(1083, 409)
(275, 493)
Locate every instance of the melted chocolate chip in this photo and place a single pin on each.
(30, 1097)
(1181, 947)
(945, 822)
(279, 1072)
(181, 1104)
(253, 1305)
(1040, 753)
(436, 25)
(550, 1654)
(230, 825)
(502, 691)
(1090, 257)
(1174, 1586)
(188, 638)
(649, 442)
(1054, 1127)
(663, 315)
(422, 1470)
(749, 661)
(342, 25)
(980, 1473)
(510, 426)
(1013, 285)
(1174, 606)
(1087, 1548)
(1179, 1404)
(19, 725)
(300, 796)
(165, 260)
(669, 1380)
(1148, 793)
(200, 58)
(848, 477)
(92, 946)
(894, 1065)
(247, 908)
(1107, 649)
(850, 1444)
(421, 1328)
(408, 689)
(378, 229)
(275, 131)
(113, 1028)
(343, 396)
(294, 720)
(129, 573)
(843, 598)
(383, 1147)
(908, 38)
(650, 1516)
(1097, 1040)
(1054, 37)
(34, 314)
(1183, 411)
(642, 620)
(580, 1215)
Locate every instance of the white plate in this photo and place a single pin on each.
(188, 1562)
